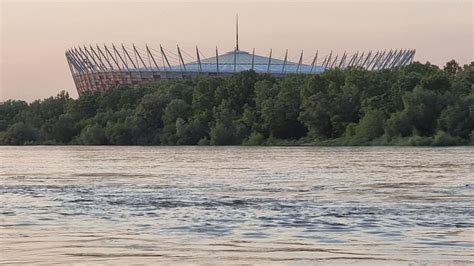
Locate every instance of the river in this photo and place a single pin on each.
(237, 205)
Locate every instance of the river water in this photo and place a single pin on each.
(259, 205)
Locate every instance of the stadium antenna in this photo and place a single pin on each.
(237, 32)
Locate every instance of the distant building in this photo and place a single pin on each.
(100, 68)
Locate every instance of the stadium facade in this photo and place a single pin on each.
(102, 67)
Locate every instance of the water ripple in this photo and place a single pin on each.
(237, 204)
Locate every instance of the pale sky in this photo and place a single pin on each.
(35, 34)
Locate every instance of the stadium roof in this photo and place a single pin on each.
(92, 59)
(236, 61)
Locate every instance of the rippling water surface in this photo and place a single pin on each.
(289, 205)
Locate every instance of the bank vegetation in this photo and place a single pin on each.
(418, 105)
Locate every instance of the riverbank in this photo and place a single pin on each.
(417, 105)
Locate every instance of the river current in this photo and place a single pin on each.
(237, 205)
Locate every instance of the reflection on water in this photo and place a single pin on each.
(236, 204)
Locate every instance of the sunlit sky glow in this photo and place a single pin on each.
(35, 34)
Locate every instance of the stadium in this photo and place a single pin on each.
(102, 67)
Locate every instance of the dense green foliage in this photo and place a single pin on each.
(419, 104)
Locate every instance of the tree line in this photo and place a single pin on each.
(419, 104)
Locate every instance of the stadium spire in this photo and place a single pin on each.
(237, 32)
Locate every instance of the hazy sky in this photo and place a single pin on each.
(35, 34)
